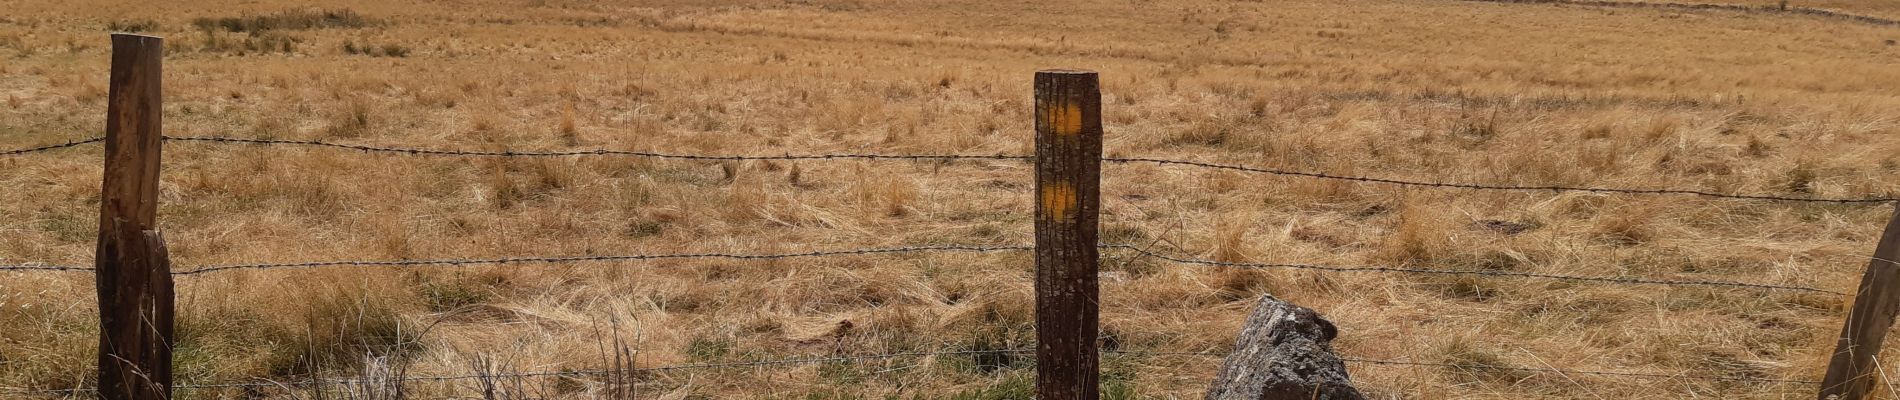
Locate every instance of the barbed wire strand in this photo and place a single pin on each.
(36, 267)
(1611, 280)
(865, 357)
(948, 248)
(547, 260)
(872, 156)
(635, 257)
(52, 147)
(595, 152)
(1474, 186)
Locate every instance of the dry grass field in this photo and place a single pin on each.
(1442, 90)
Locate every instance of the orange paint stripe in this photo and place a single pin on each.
(1065, 119)
(1058, 200)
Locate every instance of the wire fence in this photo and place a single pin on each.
(44, 267)
(463, 262)
(1783, 8)
(52, 147)
(637, 257)
(1473, 186)
(646, 372)
(947, 157)
(1142, 252)
(1138, 252)
(595, 152)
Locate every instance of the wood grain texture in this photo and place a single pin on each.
(132, 269)
(1851, 374)
(1068, 193)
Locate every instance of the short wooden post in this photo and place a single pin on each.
(133, 273)
(1068, 193)
(1851, 374)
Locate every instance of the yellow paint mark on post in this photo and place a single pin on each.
(1065, 119)
(1058, 200)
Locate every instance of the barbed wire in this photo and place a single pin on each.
(758, 363)
(874, 156)
(596, 152)
(634, 257)
(1612, 280)
(51, 147)
(39, 267)
(1784, 8)
(545, 260)
(457, 262)
(1473, 186)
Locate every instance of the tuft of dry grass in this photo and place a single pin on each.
(569, 133)
(351, 121)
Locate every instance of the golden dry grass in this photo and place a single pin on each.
(1424, 89)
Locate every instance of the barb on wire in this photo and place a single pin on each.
(38, 267)
(596, 152)
(576, 259)
(1473, 186)
(1508, 274)
(51, 147)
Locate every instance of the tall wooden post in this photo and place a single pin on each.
(1068, 194)
(1851, 374)
(134, 276)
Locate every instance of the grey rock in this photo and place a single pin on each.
(1284, 353)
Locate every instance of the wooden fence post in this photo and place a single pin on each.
(1851, 374)
(1068, 193)
(133, 272)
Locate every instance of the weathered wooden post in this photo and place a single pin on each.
(132, 269)
(1851, 374)
(1068, 197)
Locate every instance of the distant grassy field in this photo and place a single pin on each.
(1438, 90)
